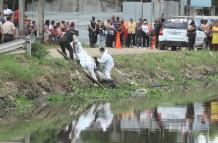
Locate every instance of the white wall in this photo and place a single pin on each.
(132, 10)
(171, 8)
(85, 6)
(147, 11)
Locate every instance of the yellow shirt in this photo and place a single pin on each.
(131, 27)
(215, 35)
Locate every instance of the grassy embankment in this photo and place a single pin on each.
(23, 80)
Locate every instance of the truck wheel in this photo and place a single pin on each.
(162, 47)
(174, 48)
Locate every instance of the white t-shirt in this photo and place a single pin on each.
(145, 29)
(7, 11)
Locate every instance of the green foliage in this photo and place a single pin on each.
(23, 104)
(213, 77)
(155, 93)
(39, 51)
(57, 98)
(18, 68)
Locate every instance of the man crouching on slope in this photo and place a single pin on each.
(107, 61)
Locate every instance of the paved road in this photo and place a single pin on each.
(95, 51)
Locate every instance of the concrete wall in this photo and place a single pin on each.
(158, 8)
(132, 10)
(147, 11)
(83, 6)
(171, 8)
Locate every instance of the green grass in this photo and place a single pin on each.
(23, 104)
(18, 68)
(171, 62)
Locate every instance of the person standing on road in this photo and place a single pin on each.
(191, 35)
(47, 33)
(157, 28)
(92, 32)
(139, 34)
(107, 61)
(132, 32)
(9, 30)
(124, 33)
(205, 28)
(110, 33)
(215, 36)
(101, 34)
(145, 33)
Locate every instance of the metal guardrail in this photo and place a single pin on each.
(18, 46)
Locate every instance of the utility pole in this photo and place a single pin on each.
(41, 9)
(21, 17)
(1, 6)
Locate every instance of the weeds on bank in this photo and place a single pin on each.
(18, 68)
(23, 104)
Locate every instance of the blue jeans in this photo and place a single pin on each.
(101, 40)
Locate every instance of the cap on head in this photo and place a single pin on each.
(102, 49)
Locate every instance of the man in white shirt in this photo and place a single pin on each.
(7, 11)
(107, 61)
(9, 30)
(145, 33)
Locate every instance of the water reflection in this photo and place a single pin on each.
(96, 117)
(192, 123)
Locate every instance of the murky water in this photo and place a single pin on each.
(101, 123)
(192, 123)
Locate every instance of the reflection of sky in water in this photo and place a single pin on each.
(165, 124)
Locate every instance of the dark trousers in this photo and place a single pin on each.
(139, 40)
(109, 40)
(146, 40)
(8, 38)
(131, 40)
(157, 40)
(66, 45)
(92, 39)
(191, 40)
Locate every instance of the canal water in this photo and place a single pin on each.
(192, 123)
(135, 120)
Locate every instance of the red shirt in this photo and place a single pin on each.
(16, 16)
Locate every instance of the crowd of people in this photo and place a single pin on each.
(211, 31)
(128, 33)
(53, 31)
(7, 26)
(110, 33)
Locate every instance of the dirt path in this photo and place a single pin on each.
(95, 51)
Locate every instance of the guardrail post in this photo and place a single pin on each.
(28, 48)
